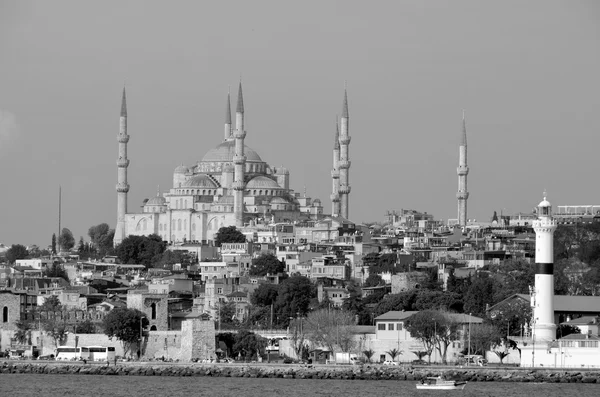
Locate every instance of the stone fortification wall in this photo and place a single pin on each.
(195, 341)
(354, 372)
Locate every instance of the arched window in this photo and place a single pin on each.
(260, 192)
(193, 227)
(179, 224)
(144, 224)
(173, 224)
(204, 192)
(172, 237)
(153, 306)
(5, 314)
(185, 224)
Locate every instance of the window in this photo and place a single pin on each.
(5, 314)
(390, 326)
(380, 327)
(153, 306)
(399, 327)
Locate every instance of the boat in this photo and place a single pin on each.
(439, 383)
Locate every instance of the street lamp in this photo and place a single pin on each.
(469, 351)
(141, 336)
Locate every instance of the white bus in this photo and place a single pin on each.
(68, 353)
(98, 353)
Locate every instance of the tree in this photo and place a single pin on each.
(394, 353)
(565, 329)
(434, 329)
(397, 302)
(23, 332)
(56, 270)
(81, 246)
(102, 237)
(66, 240)
(248, 344)
(141, 249)
(229, 234)
(266, 264)
(51, 304)
(501, 355)
(56, 329)
(330, 328)
(480, 294)
(293, 299)
(172, 257)
(484, 338)
(265, 295)
(368, 354)
(374, 280)
(124, 325)
(85, 327)
(16, 251)
(53, 243)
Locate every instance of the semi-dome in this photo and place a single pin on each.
(181, 169)
(262, 182)
(200, 180)
(225, 152)
(156, 200)
(279, 200)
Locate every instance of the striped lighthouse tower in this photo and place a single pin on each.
(542, 295)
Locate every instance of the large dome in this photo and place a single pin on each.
(225, 152)
(199, 180)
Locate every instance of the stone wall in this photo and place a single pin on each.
(402, 282)
(154, 306)
(10, 310)
(342, 372)
(198, 340)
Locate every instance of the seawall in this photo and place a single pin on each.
(366, 372)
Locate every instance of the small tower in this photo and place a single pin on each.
(335, 173)
(227, 131)
(544, 327)
(122, 164)
(239, 159)
(463, 170)
(344, 162)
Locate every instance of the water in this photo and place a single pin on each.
(21, 385)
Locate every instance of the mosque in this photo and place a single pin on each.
(230, 185)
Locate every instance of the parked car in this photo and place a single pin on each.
(46, 357)
(389, 362)
(419, 362)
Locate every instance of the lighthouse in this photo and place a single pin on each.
(542, 295)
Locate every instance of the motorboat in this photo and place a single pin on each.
(439, 383)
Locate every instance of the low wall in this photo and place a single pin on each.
(304, 372)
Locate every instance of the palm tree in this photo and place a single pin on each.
(368, 354)
(501, 354)
(394, 353)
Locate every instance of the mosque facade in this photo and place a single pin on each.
(230, 185)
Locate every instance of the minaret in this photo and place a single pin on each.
(344, 163)
(227, 132)
(463, 170)
(239, 159)
(544, 327)
(335, 173)
(122, 164)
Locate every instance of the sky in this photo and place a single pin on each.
(526, 73)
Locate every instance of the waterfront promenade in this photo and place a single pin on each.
(301, 371)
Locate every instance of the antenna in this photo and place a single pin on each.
(59, 216)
